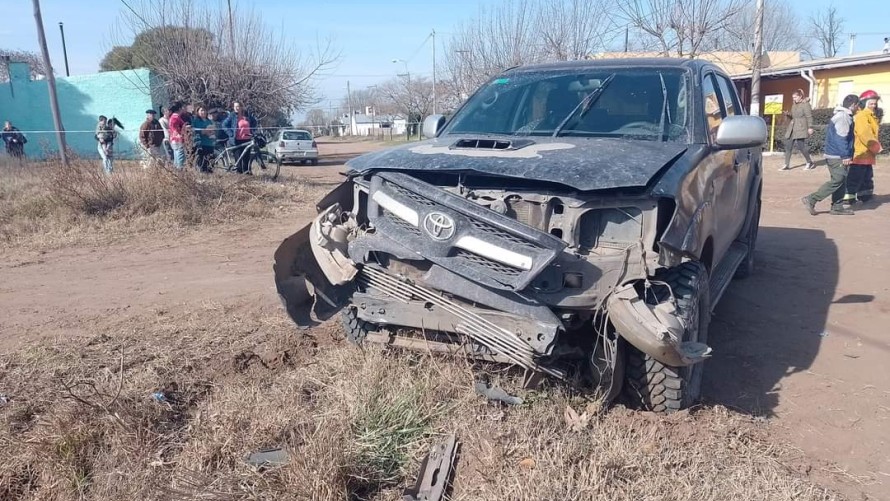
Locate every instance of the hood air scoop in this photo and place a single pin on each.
(490, 144)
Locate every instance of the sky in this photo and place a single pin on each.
(368, 34)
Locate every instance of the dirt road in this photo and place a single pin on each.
(803, 342)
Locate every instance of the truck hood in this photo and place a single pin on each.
(584, 164)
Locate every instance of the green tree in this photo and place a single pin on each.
(118, 58)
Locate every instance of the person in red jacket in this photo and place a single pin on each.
(176, 135)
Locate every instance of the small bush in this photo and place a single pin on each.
(822, 116)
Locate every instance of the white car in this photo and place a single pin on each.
(296, 145)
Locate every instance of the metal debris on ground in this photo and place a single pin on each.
(159, 396)
(3, 399)
(823, 334)
(496, 394)
(268, 457)
(435, 473)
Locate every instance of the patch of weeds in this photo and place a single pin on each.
(388, 427)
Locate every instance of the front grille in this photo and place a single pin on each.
(405, 193)
(488, 229)
(486, 264)
(469, 220)
(400, 223)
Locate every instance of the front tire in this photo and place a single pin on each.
(661, 388)
(355, 328)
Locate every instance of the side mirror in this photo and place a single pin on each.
(740, 131)
(432, 125)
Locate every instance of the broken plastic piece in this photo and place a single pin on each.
(268, 457)
(435, 473)
(496, 394)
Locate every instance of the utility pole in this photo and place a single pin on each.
(351, 109)
(231, 28)
(758, 60)
(626, 37)
(50, 84)
(64, 50)
(435, 92)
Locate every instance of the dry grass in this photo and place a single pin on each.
(355, 423)
(45, 205)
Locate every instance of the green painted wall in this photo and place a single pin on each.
(123, 94)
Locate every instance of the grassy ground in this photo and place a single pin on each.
(167, 403)
(81, 423)
(44, 205)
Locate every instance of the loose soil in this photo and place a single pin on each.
(802, 343)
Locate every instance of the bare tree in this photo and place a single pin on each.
(316, 117)
(35, 61)
(680, 28)
(412, 97)
(827, 27)
(204, 54)
(781, 30)
(521, 32)
(573, 29)
(499, 38)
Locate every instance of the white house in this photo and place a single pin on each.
(370, 124)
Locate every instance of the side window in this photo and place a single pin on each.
(713, 114)
(730, 103)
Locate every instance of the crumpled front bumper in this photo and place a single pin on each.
(653, 329)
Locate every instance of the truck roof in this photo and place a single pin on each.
(630, 62)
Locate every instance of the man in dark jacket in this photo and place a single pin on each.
(151, 138)
(838, 155)
(14, 140)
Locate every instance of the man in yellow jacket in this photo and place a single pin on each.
(866, 146)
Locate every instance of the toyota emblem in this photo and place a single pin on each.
(438, 226)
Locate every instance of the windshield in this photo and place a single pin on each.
(592, 103)
(296, 136)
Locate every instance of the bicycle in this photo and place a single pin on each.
(260, 163)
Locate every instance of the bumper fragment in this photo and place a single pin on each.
(656, 330)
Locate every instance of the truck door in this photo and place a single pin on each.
(742, 161)
(723, 173)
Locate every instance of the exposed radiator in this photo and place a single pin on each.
(483, 331)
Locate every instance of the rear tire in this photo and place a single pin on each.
(314, 161)
(651, 385)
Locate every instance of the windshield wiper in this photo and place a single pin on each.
(665, 112)
(585, 104)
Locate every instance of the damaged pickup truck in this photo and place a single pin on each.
(579, 220)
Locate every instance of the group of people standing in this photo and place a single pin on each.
(186, 134)
(852, 143)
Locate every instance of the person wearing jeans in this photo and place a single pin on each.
(176, 136)
(105, 135)
(799, 129)
(838, 155)
(866, 146)
(204, 136)
(239, 126)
